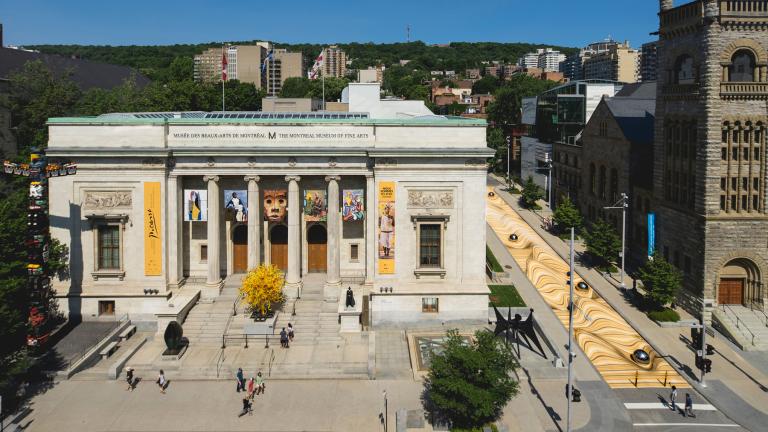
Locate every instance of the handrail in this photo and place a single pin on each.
(245, 337)
(737, 322)
(752, 307)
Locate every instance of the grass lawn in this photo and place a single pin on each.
(490, 258)
(505, 296)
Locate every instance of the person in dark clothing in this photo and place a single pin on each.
(129, 378)
(689, 405)
(247, 407)
(240, 380)
(284, 338)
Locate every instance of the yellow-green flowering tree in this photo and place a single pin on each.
(262, 287)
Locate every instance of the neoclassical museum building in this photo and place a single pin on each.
(386, 197)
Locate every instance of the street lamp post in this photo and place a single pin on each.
(548, 179)
(623, 204)
(702, 350)
(385, 410)
(509, 156)
(569, 387)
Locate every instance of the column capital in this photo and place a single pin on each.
(330, 178)
(368, 175)
(214, 178)
(292, 178)
(252, 177)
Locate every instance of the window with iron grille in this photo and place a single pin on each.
(429, 245)
(109, 247)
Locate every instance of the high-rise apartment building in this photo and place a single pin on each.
(282, 66)
(529, 60)
(648, 61)
(334, 62)
(573, 66)
(618, 63)
(546, 59)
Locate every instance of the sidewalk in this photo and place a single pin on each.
(735, 387)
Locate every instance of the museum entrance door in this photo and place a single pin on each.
(317, 248)
(278, 239)
(731, 291)
(240, 249)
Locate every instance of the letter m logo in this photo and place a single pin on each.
(272, 135)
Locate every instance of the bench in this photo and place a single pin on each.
(108, 350)
(127, 333)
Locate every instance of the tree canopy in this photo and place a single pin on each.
(530, 194)
(661, 280)
(602, 242)
(566, 216)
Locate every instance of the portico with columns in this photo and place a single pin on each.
(414, 256)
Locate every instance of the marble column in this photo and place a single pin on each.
(293, 275)
(370, 230)
(333, 265)
(254, 236)
(174, 245)
(213, 281)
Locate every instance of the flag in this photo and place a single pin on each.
(269, 57)
(223, 64)
(314, 72)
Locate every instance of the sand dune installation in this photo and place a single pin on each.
(604, 336)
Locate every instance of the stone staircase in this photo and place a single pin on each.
(747, 328)
(207, 321)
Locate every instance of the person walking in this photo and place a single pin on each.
(260, 386)
(290, 332)
(689, 405)
(284, 338)
(251, 388)
(673, 398)
(247, 407)
(161, 381)
(129, 378)
(240, 380)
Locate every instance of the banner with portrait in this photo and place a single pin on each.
(236, 203)
(315, 205)
(195, 205)
(352, 208)
(153, 244)
(386, 227)
(275, 204)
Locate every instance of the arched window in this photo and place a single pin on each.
(684, 70)
(742, 67)
(614, 184)
(592, 178)
(602, 182)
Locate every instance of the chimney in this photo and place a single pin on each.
(666, 5)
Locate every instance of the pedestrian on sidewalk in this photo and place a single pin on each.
(673, 398)
(689, 405)
(247, 407)
(290, 332)
(284, 338)
(161, 381)
(240, 380)
(129, 378)
(260, 386)
(251, 388)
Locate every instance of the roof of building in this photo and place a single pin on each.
(86, 74)
(641, 90)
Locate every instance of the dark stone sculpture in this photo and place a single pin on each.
(350, 303)
(173, 336)
(518, 327)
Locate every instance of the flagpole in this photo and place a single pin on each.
(223, 75)
(222, 96)
(323, 72)
(273, 71)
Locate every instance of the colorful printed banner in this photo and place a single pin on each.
(386, 227)
(153, 243)
(275, 203)
(352, 205)
(315, 205)
(651, 233)
(236, 201)
(195, 205)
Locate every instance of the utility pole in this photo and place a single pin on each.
(509, 154)
(385, 410)
(702, 352)
(548, 179)
(623, 205)
(569, 387)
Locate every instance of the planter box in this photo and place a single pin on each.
(672, 324)
(262, 326)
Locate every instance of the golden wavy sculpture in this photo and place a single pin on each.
(604, 336)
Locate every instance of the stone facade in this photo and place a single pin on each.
(709, 222)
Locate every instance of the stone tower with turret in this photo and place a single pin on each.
(710, 151)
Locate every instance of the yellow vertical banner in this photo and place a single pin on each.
(386, 227)
(153, 244)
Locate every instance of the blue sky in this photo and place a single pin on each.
(160, 22)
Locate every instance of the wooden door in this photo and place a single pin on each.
(278, 239)
(317, 249)
(240, 249)
(731, 291)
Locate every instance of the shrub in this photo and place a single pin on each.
(490, 258)
(664, 315)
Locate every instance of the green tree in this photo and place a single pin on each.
(661, 280)
(469, 383)
(505, 109)
(566, 216)
(486, 85)
(603, 242)
(530, 194)
(496, 140)
(295, 87)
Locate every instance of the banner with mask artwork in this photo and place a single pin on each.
(352, 209)
(195, 205)
(275, 203)
(386, 228)
(236, 202)
(315, 205)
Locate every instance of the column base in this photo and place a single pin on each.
(331, 291)
(292, 290)
(211, 290)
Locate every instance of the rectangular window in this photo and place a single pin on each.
(106, 307)
(724, 153)
(757, 154)
(733, 202)
(109, 247)
(429, 304)
(429, 245)
(733, 183)
(755, 206)
(676, 260)
(722, 202)
(744, 202)
(744, 183)
(735, 153)
(723, 183)
(746, 153)
(204, 252)
(354, 252)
